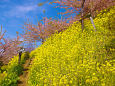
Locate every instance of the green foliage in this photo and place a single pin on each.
(10, 76)
(76, 58)
(9, 79)
(4, 68)
(24, 57)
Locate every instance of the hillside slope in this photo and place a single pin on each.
(76, 58)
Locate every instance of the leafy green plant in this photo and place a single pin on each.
(10, 76)
(24, 57)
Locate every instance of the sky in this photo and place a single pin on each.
(13, 14)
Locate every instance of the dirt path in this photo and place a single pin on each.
(24, 76)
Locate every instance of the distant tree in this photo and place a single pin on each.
(8, 47)
(43, 30)
(33, 32)
(1, 39)
(1, 35)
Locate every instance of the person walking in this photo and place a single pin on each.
(20, 53)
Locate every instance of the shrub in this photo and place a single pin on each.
(10, 76)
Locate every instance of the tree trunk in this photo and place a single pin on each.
(35, 43)
(82, 14)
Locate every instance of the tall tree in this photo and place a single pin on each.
(87, 8)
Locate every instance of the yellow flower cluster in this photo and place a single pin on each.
(13, 69)
(76, 58)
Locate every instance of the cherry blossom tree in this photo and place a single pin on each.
(86, 8)
(8, 47)
(43, 30)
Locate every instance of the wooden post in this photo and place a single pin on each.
(91, 19)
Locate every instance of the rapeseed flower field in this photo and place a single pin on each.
(76, 58)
